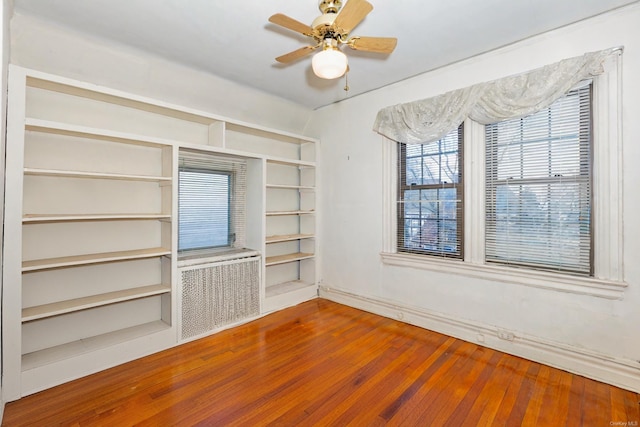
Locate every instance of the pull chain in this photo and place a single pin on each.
(346, 81)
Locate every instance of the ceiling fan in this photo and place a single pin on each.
(330, 31)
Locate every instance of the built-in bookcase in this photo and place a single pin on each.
(90, 251)
(290, 225)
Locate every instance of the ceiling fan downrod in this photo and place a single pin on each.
(330, 6)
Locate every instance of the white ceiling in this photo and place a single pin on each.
(234, 40)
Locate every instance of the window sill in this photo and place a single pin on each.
(577, 285)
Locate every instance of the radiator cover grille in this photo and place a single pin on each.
(217, 294)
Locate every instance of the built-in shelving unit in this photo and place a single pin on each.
(90, 247)
(291, 217)
(90, 256)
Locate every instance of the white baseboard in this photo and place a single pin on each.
(621, 373)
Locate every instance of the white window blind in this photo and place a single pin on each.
(211, 201)
(430, 196)
(538, 187)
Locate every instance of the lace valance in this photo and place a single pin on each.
(511, 97)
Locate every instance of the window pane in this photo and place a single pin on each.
(449, 165)
(431, 220)
(203, 209)
(431, 169)
(414, 170)
(539, 187)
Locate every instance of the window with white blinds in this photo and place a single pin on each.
(211, 201)
(430, 197)
(539, 188)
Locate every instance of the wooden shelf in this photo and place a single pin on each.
(281, 295)
(282, 259)
(275, 213)
(70, 261)
(286, 287)
(288, 237)
(291, 162)
(75, 348)
(282, 136)
(40, 218)
(291, 187)
(94, 175)
(56, 128)
(77, 304)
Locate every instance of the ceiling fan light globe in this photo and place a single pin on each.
(329, 64)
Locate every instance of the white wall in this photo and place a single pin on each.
(43, 46)
(351, 222)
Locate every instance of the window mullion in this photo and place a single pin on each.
(474, 191)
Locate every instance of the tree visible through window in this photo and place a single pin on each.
(430, 196)
(538, 187)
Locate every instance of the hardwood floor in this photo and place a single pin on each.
(325, 364)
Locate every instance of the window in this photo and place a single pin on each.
(538, 188)
(210, 202)
(204, 221)
(507, 196)
(430, 197)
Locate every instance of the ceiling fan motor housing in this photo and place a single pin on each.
(321, 22)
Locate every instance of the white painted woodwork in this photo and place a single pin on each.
(91, 254)
(40, 218)
(290, 187)
(70, 350)
(272, 213)
(93, 175)
(68, 306)
(6, 12)
(288, 237)
(291, 247)
(281, 259)
(289, 293)
(70, 261)
(291, 162)
(56, 128)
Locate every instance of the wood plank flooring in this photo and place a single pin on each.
(325, 364)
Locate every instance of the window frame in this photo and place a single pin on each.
(585, 178)
(608, 278)
(229, 165)
(458, 186)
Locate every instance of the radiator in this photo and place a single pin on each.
(218, 293)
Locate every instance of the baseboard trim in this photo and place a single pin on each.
(621, 373)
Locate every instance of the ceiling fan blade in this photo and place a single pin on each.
(373, 44)
(352, 14)
(296, 54)
(291, 24)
